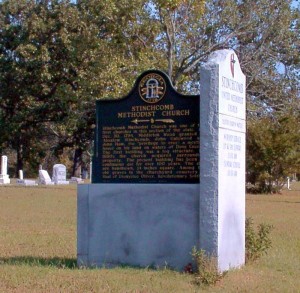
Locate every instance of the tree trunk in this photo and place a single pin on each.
(20, 160)
(77, 163)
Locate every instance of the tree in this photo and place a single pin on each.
(268, 50)
(179, 28)
(58, 57)
(115, 58)
(273, 151)
(40, 73)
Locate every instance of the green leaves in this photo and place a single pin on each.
(272, 151)
(258, 240)
(58, 57)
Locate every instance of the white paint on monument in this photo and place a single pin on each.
(222, 179)
(4, 178)
(59, 174)
(44, 178)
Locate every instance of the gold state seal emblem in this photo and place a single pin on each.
(152, 88)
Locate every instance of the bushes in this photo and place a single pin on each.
(207, 272)
(272, 152)
(257, 242)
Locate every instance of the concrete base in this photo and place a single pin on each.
(26, 182)
(137, 224)
(76, 180)
(62, 182)
(46, 183)
(4, 179)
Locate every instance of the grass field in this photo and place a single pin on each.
(38, 249)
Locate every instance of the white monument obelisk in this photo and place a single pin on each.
(222, 159)
(4, 178)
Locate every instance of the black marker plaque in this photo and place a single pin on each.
(149, 136)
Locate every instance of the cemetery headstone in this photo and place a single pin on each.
(21, 175)
(4, 177)
(91, 172)
(288, 183)
(76, 180)
(44, 178)
(25, 182)
(59, 174)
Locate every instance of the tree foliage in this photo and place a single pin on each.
(273, 152)
(57, 57)
(40, 74)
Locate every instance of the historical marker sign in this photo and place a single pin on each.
(152, 136)
(149, 136)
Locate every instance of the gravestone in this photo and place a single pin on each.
(91, 172)
(59, 174)
(4, 177)
(152, 199)
(25, 182)
(76, 180)
(44, 178)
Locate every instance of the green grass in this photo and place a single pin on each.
(38, 249)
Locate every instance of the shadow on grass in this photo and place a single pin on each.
(61, 263)
(276, 201)
(286, 201)
(65, 263)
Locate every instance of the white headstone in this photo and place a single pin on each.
(60, 174)
(77, 180)
(44, 178)
(288, 183)
(222, 159)
(4, 165)
(4, 178)
(26, 182)
(91, 167)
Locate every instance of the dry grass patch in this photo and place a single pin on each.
(38, 221)
(38, 249)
